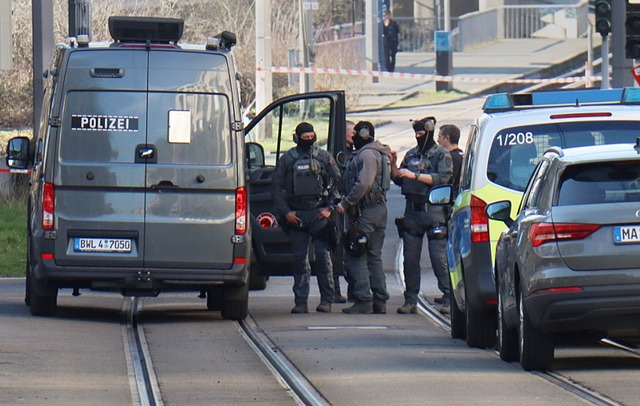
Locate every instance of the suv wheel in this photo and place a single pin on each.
(235, 302)
(536, 348)
(257, 278)
(214, 298)
(507, 337)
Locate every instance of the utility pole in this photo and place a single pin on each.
(306, 42)
(264, 82)
(6, 39)
(371, 36)
(42, 18)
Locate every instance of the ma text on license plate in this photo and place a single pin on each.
(102, 245)
(626, 234)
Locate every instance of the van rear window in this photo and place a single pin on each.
(611, 182)
(515, 151)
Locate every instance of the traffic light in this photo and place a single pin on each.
(632, 27)
(603, 17)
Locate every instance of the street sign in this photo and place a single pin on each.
(636, 74)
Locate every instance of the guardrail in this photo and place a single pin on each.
(525, 21)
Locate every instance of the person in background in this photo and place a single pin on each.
(448, 137)
(338, 297)
(304, 189)
(424, 166)
(390, 41)
(366, 179)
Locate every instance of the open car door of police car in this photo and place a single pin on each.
(268, 136)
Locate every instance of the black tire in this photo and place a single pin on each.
(214, 298)
(235, 302)
(481, 328)
(43, 299)
(536, 347)
(507, 337)
(457, 320)
(257, 278)
(27, 288)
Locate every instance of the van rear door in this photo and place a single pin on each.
(192, 172)
(146, 173)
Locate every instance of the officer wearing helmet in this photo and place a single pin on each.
(304, 189)
(424, 166)
(366, 181)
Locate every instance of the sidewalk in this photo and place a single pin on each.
(479, 71)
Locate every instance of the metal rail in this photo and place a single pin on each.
(144, 386)
(289, 376)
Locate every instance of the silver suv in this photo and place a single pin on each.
(570, 260)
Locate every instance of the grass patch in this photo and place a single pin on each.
(426, 97)
(13, 237)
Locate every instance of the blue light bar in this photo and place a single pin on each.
(577, 97)
(509, 101)
(631, 95)
(497, 102)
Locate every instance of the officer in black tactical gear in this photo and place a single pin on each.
(304, 188)
(424, 166)
(366, 180)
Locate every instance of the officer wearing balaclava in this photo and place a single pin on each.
(424, 166)
(366, 181)
(304, 188)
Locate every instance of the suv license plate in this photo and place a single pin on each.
(626, 234)
(102, 245)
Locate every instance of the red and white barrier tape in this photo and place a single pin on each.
(439, 78)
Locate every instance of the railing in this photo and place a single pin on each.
(507, 22)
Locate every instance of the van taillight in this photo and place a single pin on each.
(241, 210)
(48, 206)
(541, 233)
(479, 220)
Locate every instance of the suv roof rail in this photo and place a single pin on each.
(500, 102)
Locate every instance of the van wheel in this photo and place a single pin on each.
(27, 285)
(214, 298)
(43, 299)
(536, 347)
(235, 302)
(457, 320)
(257, 278)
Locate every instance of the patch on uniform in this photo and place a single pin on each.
(89, 122)
(448, 160)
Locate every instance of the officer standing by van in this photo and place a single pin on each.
(304, 189)
(424, 166)
(366, 179)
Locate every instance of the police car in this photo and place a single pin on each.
(504, 145)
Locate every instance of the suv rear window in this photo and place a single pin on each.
(515, 151)
(611, 182)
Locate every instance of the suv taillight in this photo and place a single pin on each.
(241, 210)
(48, 206)
(541, 233)
(479, 220)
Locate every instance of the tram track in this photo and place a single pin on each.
(431, 312)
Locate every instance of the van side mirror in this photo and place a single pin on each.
(18, 153)
(500, 211)
(255, 155)
(441, 195)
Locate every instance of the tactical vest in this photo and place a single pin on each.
(418, 162)
(381, 184)
(309, 175)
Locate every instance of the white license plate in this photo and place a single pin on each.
(626, 234)
(102, 245)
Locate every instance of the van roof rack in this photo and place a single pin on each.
(501, 102)
(155, 30)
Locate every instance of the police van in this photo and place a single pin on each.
(141, 177)
(504, 145)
